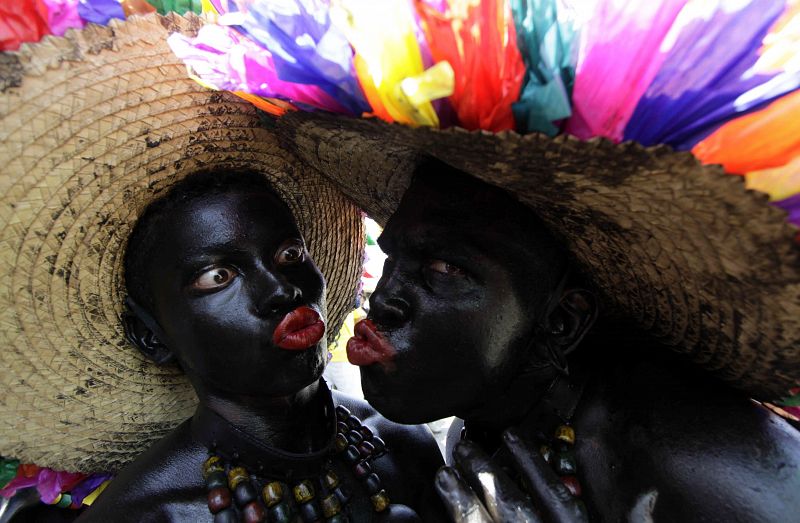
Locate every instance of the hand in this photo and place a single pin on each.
(487, 495)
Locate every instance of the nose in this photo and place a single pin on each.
(386, 307)
(277, 294)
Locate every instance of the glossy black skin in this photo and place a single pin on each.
(655, 436)
(221, 337)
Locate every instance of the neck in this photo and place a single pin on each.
(295, 422)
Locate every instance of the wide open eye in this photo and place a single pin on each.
(291, 252)
(442, 267)
(214, 278)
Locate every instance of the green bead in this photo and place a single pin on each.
(8, 471)
(565, 464)
(65, 501)
(179, 6)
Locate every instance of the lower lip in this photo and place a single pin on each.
(300, 329)
(368, 346)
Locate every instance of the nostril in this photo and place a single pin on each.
(389, 311)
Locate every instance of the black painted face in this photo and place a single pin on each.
(462, 293)
(226, 271)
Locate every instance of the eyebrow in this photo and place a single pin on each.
(214, 250)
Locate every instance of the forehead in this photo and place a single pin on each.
(235, 216)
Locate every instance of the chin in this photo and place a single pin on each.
(398, 405)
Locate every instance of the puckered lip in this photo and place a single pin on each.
(299, 329)
(368, 346)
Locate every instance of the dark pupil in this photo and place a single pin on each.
(292, 254)
(219, 277)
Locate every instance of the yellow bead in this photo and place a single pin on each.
(272, 493)
(212, 464)
(304, 491)
(566, 434)
(380, 501)
(236, 476)
(331, 506)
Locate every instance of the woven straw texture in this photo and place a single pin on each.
(94, 126)
(681, 249)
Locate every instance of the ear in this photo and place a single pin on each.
(143, 331)
(569, 322)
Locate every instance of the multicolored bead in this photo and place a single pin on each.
(272, 493)
(64, 500)
(353, 422)
(546, 453)
(566, 434)
(565, 463)
(354, 437)
(218, 499)
(236, 475)
(352, 455)
(331, 506)
(330, 479)
(343, 494)
(380, 501)
(304, 491)
(366, 448)
(342, 412)
(212, 464)
(365, 433)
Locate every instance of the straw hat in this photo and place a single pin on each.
(681, 249)
(94, 126)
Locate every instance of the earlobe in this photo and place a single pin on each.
(139, 328)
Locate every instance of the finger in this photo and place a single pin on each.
(502, 498)
(461, 503)
(550, 496)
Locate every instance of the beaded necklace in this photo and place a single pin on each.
(252, 482)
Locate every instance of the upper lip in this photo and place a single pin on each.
(296, 321)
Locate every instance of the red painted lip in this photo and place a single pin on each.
(368, 346)
(298, 330)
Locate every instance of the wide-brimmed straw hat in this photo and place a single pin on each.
(682, 249)
(94, 126)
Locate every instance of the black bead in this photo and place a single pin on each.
(380, 446)
(342, 412)
(353, 422)
(366, 448)
(310, 512)
(343, 493)
(352, 455)
(217, 479)
(354, 437)
(226, 516)
(342, 428)
(373, 483)
(365, 432)
(244, 493)
(280, 513)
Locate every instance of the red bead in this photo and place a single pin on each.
(254, 513)
(572, 484)
(219, 499)
(362, 469)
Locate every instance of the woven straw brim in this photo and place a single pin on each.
(94, 126)
(681, 249)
